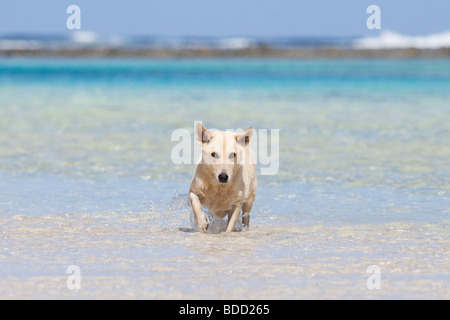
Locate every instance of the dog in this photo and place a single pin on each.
(225, 177)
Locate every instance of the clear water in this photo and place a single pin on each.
(86, 178)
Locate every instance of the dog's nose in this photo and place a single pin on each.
(223, 177)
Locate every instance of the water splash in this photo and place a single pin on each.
(216, 225)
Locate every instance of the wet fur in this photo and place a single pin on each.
(223, 199)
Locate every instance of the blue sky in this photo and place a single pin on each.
(316, 18)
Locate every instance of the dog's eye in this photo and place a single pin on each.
(214, 155)
(233, 155)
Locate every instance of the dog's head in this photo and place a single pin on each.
(223, 152)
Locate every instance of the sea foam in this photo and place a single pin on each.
(393, 40)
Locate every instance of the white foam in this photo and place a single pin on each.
(84, 37)
(235, 43)
(393, 40)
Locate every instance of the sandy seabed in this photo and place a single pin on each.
(133, 256)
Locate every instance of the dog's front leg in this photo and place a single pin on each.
(233, 218)
(199, 215)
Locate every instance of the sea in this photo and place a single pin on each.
(94, 206)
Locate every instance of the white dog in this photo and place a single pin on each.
(224, 178)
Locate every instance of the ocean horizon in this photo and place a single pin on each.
(80, 39)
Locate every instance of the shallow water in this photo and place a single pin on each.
(133, 256)
(86, 178)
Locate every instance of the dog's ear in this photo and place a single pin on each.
(244, 136)
(202, 135)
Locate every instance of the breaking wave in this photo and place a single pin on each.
(393, 40)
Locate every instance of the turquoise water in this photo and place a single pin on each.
(364, 170)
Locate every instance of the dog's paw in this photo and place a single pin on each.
(203, 227)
